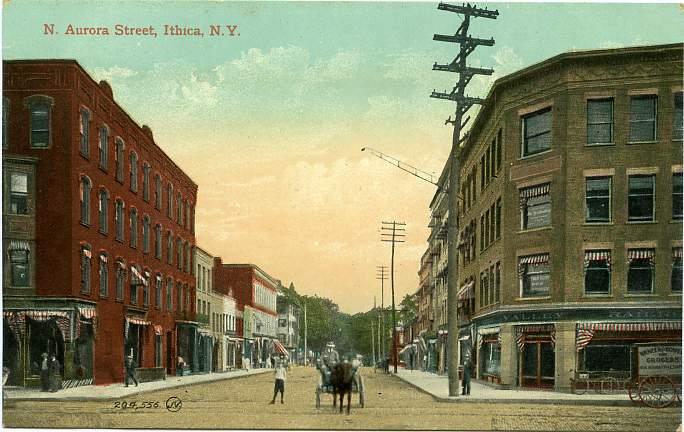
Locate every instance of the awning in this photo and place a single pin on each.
(138, 277)
(44, 315)
(280, 348)
(463, 338)
(467, 291)
(137, 321)
(677, 253)
(522, 330)
(87, 312)
(531, 260)
(647, 254)
(19, 245)
(482, 332)
(533, 191)
(596, 255)
(103, 257)
(585, 331)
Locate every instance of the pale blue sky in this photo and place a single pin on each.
(270, 123)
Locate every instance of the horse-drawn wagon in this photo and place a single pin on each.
(339, 378)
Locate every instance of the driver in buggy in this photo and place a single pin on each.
(330, 358)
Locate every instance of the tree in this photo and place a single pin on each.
(408, 311)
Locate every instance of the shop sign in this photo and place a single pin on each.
(660, 360)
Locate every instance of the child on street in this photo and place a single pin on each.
(280, 377)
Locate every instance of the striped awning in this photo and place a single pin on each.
(103, 257)
(280, 348)
(531, 260)
(467, 291)
(87, 312)
(596, 255)
(87, 252)
(586, 331)
(646, 254)
(522, 330)
(677, 253)
(22, 245)
(44, 315)
(136, 320)
(121, 265)
(533, 191)
(482, 332)
(159, 277)
(138, 277)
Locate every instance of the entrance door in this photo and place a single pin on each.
(538, 364)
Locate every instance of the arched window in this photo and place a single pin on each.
(157, 241)
(169, 200)
(120, 279)
(158, 291)
(187, 215)
(179, 253)
(104, 275)
(146, 288)
(179, 209)
(157, 191)
(169, 294)
(169, 247)
(102, 207)
(40, 107)
(134, 172)
(133, 225)
(146, 234)
(103, 146)
(192, 219)
(146, 182)
(86, 186)
(119, 219)
(86, 257)
(119, 159)
(84, 131)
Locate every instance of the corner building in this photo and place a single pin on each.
(98, 232)
(570, 223)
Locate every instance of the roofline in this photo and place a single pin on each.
(270, 278)
(87, 74)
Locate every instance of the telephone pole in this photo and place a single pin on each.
(381, 274)
(393, 232)
(465, 73)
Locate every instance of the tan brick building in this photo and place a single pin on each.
(571, 216)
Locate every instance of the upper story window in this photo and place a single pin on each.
(119, 219)
(18, 193)
(86, 257)
(677, 195)
(598, 190)
(169, 247)
(179, 253)
(133, 225)
(676, 278)
(103, 206)
(597, 272)
(536, 132)
(103, 146)
(119, 159)
(120, 279)
(158, 291)
(641, 197)
(169, 294)
(84, 131)
(103, 274)
(642, 118)
(498, 218)
(157, 191)
(677, 117)
(40, 108)
(179, 209)
(19, 263)
(169, 200)
(146, 289)
(535, 206)
(135, 282)
(192, 219)
(146, 234)
(5, 122)
(157, 241)
(146, 182)
(640, 276)
(85, 200)
(134, 172)
(535, 275)
(600, 121)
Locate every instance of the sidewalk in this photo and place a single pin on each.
(438, 387)
(118, 390)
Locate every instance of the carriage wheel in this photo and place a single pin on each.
(633, 391)
(657, 391)
(608, 385)
(318, 397)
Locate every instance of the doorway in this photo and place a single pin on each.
(538, 363)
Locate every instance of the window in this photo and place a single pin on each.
(187, 215)
(18, 193)
(158, 241)
(192, 219)
(640, 276)
(84, 130)
(146, 234)
(120, 279)
(119, 219)
(179, 253)
(85, 269)
(641, 198)
(677, 195)
(134, 172)
(642, 118)
(146, 289)
(134, 283)
(597, 272)
(157, 191)
(535, 206)
(169, 200)
(676, 270)
(179, 209)
(491, 357)
(133, 225)
(40, 108)
(119, 160)
(497, 288)
(498, 218)
(677, 117)
(499, 151)
(179, 300)
(5, 122)
(146, 182)
(102, 146)
(535, 275)
(102, 206)
(600, 121)
(482, 231)
(536, 132)
(158, 291)
(19, 264)
(169, 295)
(104, 276)
(85, 200)
(598, 191)
(482, 173)
(169, 247)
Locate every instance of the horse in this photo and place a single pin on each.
(341, 380)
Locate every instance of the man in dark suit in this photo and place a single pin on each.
(467, 372)
(44, 373)
(130, 370)
(54, 371)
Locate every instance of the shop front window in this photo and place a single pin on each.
(490, 360)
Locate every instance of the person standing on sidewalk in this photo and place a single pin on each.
(280, 377)
(44, 374)
(467, 372)
(54, 374)
(130, 370)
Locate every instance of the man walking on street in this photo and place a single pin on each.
(130, 370)
(467, 371)
(280, 377)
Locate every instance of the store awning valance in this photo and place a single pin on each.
(19, 245)
(533, 191)
(641, 254)
(280, 348)
(534, 259)
(522, 330)
(596, 255)
(677, 253)
(137, 321)
(87, 312)
(586, 331)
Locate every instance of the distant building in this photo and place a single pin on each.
(288, 323)
(98, 232)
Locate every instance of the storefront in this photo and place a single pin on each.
(489, 354)
(204, 351)
(187, 337)
(536, 346)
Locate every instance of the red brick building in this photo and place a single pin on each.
(255, 293)
(98, 232)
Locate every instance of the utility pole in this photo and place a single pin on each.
(463, 103)
(393, 232)
(373, 341)
(381, 274)
(306, 350)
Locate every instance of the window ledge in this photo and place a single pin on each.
(593, 296)
(87, 225)
(641, 295)
(642, 142)
(532, 298)
(611, 144)
(675, 294)
(103, 169)
(676, 221)
(545, 228)
(599, 223)
(653, 222)
(104, 233)
(84, 156)
(526, 157)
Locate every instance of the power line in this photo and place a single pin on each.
(393, 232)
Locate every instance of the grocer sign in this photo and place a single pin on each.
(660, 360)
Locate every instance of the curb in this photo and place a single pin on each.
(10, 399)
(592, 402)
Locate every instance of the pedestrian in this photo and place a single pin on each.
(130, 370)
(467, 372)
(44, 374)
(280, 377)
(54, 369)
(268, 362)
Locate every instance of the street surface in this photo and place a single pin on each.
(390, 404)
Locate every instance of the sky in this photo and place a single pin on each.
(270, 122)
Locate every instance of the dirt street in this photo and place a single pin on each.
(390, 404)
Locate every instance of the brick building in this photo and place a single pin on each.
(98, 232)
(570, 223)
